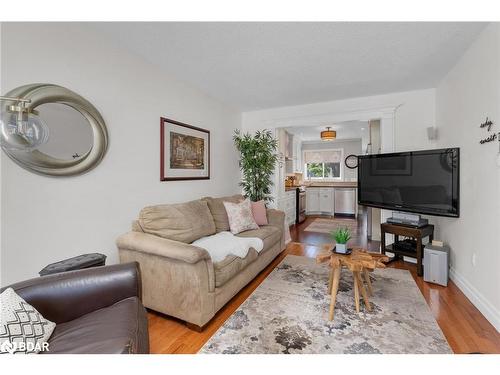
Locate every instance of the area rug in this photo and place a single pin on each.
(322, 225)
(288, 313)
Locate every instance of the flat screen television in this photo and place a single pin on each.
(425, 182)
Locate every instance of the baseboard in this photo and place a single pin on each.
(477, 299)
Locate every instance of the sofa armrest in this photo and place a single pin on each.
(178, 278)
(66, 296)
(155, 245)
(276, 218)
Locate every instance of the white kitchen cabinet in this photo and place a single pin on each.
(326, 202)
(297, 155)
(345, 201)
(312, 200)
(287, 204)
(320, 200)
(289, 145)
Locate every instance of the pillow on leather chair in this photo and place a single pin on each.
(22, 328)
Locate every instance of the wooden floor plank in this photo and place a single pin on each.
(465, 328)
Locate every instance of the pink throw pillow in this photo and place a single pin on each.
(259, 213)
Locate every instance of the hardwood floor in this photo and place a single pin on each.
(465, 328)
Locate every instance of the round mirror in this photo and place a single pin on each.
(77, 134)
(70, 133)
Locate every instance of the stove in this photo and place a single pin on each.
(300, 205)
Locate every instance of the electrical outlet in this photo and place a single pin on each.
(474, 259)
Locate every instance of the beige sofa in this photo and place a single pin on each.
(180, 279)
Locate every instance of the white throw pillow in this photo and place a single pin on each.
(22, 328)
(240, 216)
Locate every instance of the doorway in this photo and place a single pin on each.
(330, 182)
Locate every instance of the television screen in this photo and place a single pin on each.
(424, 182)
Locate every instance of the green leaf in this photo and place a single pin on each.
(341, 235)
(258, 158)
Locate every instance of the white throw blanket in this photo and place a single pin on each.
(223, 244)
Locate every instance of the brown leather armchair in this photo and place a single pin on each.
(97, 310)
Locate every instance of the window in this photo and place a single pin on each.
(323, 164)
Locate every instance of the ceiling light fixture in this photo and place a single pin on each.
(21, 129)
(328, 135)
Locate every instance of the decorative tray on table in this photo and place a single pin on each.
(334, 250)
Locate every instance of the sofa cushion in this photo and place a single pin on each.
(112, 330)
(218, 210)
(267, 233)
(184, 222)
(232, 265)
(226, 269)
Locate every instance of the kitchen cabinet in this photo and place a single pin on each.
(320, 200)
(312, 200)
(289, 165)
(289, 153)
(326, 202)
(288, 145)
(297, 155)
(287, 204)
(291, 146)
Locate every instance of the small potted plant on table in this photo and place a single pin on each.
(341, 237)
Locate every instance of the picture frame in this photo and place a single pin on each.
(184, 151)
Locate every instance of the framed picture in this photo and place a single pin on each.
(184, 151)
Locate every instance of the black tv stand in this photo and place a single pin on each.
(414, 233)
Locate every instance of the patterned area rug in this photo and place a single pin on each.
(322, 225)
(288, 313)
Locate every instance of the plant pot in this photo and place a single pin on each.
(341, 248)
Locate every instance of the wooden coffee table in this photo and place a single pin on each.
(359, 262)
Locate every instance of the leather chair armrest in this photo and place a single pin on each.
(151, 244)
(276, 218)
(66, 296)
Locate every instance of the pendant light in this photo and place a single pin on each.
(21, 129)
(328, 135)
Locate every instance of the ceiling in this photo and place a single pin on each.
(262, 65)
(345, 130)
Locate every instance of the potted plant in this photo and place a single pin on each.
(341, 237)
(258, 158)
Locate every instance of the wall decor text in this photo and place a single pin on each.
(491, 138)
(488, 123)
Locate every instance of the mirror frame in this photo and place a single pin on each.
(43, 164)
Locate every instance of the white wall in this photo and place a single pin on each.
(417, 112)
(469, 93)
(349, 147)
(47, 219)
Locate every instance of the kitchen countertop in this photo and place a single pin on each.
(339, 184)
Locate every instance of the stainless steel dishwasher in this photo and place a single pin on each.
(345, 201)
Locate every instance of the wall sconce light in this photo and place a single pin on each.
(21, 129)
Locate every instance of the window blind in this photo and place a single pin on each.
(326, 156)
